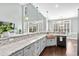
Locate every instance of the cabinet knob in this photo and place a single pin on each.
(37, 47)
(28, 47)
(50, 40)
(43, 41)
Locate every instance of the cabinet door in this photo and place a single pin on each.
(28, 50)
(37, 48)
(43, 44)
(51, 42)
(18, 53)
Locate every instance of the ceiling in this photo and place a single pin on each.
(58, 10)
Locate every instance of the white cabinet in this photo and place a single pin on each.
(28, 50)
(33, 49)
(51, 42)
(37, 48)
(43, 44)
(62, 26)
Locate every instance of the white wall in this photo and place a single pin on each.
(11, 12)
(34, 15)
(74, 25)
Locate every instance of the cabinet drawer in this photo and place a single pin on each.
(37, 51)
(43, 43)
(44, 40)
(27, 47)
(37, 43)
(18, 53)
(28, 50)
(37, 48)
(51, 42)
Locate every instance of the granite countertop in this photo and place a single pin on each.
(8, 49)
(72, 36)
(15, 35)
(58, 34)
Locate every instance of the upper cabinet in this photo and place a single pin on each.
(62, 27)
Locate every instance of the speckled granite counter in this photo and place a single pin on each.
(8, 49)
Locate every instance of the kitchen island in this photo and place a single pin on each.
(17, 48)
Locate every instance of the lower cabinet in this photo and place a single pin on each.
(18, 53)
(33, 49)
(51, 42)
(37, 48)
(28, 50)
(43, 44)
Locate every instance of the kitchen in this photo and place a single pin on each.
(32, 36)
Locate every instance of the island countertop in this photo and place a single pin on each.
(8, 49)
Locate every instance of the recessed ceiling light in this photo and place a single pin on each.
(56, 5)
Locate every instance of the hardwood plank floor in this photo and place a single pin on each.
(54, 51)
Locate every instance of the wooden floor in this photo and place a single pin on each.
(54, 51)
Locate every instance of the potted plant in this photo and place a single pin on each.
(1, 31)
(5, 28)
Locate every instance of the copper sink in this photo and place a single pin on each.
(50, 36)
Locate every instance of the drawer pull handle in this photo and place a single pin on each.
(43, 41)
(37, 47)
(28, 47)
(50, 40)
